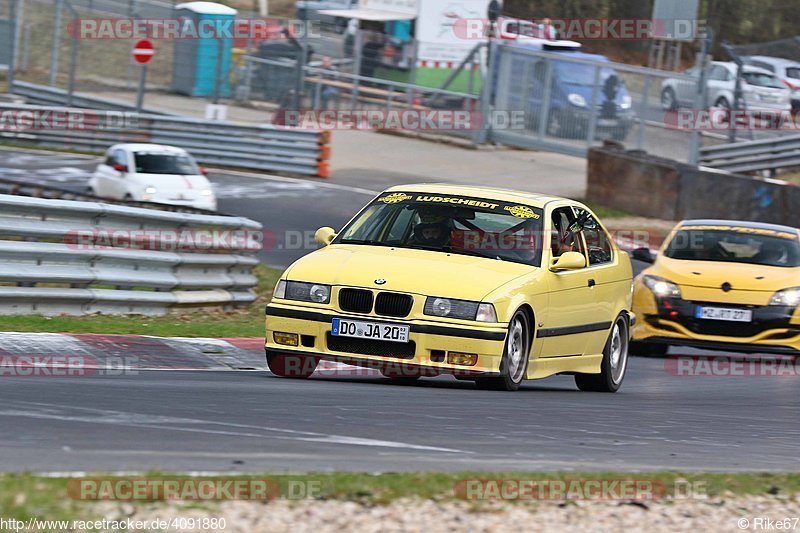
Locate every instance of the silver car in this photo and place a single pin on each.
(786, 70)
(761, 90)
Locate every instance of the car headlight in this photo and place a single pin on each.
(576, 100)
(461, 309)
(149, 190)
(305, 292)
(661, 287)
(280, 290)
(206, 192)
(626, 102)
(790, 297)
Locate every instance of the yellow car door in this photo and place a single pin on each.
(572, 319)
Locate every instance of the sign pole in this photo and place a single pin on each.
(143, 52)
(140, 92)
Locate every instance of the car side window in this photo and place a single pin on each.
(563, 238)
(718, 73)
(598, 241)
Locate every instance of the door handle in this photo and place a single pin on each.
(591, 283)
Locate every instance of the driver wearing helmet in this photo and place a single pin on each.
(433, 228)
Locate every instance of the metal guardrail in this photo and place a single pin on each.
(54, 259)
(45, 95)
(753, 156)
(228, 144)
(38, 190)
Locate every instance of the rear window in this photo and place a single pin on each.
(762, 80)
(793, 72)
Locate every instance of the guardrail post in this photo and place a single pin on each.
(643, 111)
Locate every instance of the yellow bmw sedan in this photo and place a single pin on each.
(489, 285)
(720, 284)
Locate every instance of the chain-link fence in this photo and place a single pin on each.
(573, 100)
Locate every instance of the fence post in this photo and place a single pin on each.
(593, 111)
(643, 111)
(547, 94)
(487, 90)
(55, 46)
(700, 94)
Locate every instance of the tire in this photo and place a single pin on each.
(90, 191)
(646, 349)
(291, 366)
(614, 364)
(723, 104)
(668, 100)
(515, 356)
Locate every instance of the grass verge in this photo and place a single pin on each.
(24, 496)
(246, 322)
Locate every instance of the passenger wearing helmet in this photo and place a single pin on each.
(433, 228)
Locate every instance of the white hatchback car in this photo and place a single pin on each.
(152, 173)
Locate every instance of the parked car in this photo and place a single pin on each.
(571, 93)
(487, 284)
(152, 173)
(761, 90)
(786, 70)
(314, 10)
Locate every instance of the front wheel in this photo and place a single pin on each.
(515, 356)
(614, 364)
(291, 366)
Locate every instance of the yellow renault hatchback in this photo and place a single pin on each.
(490, 285)
(720, 284)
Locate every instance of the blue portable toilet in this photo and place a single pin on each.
(194, 65)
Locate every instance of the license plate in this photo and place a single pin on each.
(722, 313)
(341, 327)
(606, 122)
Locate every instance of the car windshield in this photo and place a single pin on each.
(160, 163)
(755, 246)
(450, 224)
(580, 74)
(762, 80)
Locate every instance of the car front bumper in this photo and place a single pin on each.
(428, 347)
(774, 329)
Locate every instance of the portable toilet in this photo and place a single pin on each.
(204, 49)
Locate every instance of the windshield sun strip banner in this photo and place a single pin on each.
(744, 230)
(496, 206)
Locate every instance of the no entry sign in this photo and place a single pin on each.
(143, 51)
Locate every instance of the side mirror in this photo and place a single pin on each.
(568, 261)
(325, 236)
(119, 167)
(644, 255)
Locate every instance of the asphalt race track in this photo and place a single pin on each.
(218, 420)
(250, 421)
